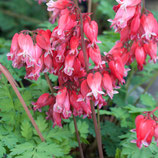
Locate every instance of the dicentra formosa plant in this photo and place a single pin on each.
(66, 53)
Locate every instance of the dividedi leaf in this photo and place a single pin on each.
(22, 148)
(26, 130)
(42, 124)
(148, 99)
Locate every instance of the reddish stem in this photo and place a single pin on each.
(97, 131)
(152, 112)
(49, 83)
(89, 6)
(78, 137)
(10, 79)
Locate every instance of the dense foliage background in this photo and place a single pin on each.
(18, 138)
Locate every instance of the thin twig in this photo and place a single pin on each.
(78, 137)
(20, 16)
(7, 75)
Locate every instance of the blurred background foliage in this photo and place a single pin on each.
(17, 136)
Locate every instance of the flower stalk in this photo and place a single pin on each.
(97, 131)
(78, 137)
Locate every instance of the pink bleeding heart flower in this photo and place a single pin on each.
(135, 24)
(125, 32)
(94, 82)
(128, 3)
(122, 17)
(14, 47)
(117, 68)
(151, 49)
(74, 42)
(77, 109)
(14, 51)
(60, 99)
(66, 107)
(60, 4)
(150, 25)
(27, 48)
(144, 130)
(140, 57)
(107, 85)
(69, 62)
(91, 31)
(66, 22)
(56, 119)
(60, 57)
(54, 116)
(43, 100)
(43, 40)
(86, 107)
(48, 63)
(84, 89)
(95, 55)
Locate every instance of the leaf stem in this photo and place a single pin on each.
(78, 137)
(7, 75)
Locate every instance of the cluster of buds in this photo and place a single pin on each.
(146, 129)
(65, 53)
(139, 32)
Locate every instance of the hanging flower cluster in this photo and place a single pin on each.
(139, 32)
(146, 129)
(65, 53)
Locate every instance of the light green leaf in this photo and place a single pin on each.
(22, 148)
(42, 124)
(148, 99)
(26, 130)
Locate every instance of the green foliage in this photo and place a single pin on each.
(108, 40)
(18, 15)
(130, 150)
(26, 130)
(110, 137)
(18, 137)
